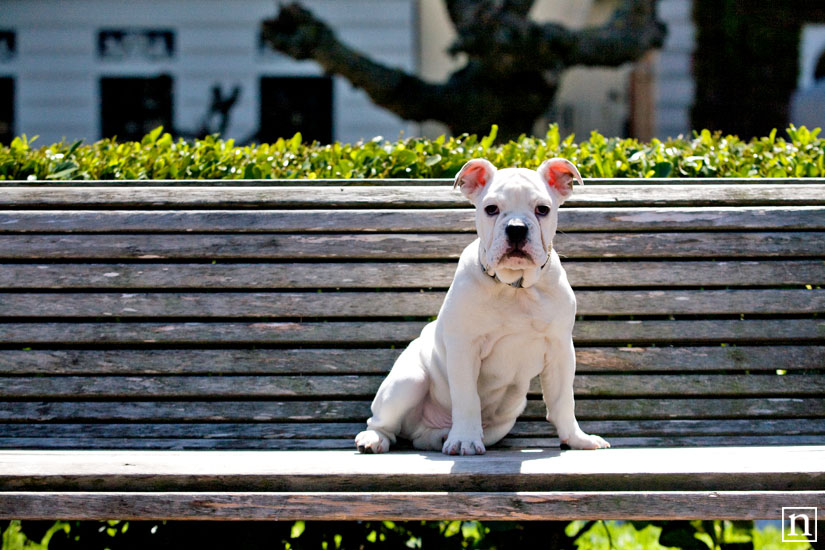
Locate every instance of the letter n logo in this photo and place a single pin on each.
(799, 525)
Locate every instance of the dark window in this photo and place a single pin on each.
(819, 70)
(6, 110)
(150, 44)
(132, 107)
(8, 45)
(294, 104)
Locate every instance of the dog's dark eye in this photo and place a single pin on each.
(491, 210)
(542, 210)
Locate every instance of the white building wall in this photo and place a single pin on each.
(57, 69)
(676, 88)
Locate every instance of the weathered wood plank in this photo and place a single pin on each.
(662, 469)
(439, 196)
(508, 443)
(487, 506)
(371, 182)
(201, 361)
(364, 386)
(264, 432)
(147, 362)
(400, 246)
(225, 304)
(391, 304)
(333, 275)
(697, 359)
(248, 276)
(781, 331)
(358, 411)
(403, 220)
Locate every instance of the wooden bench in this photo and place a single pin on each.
(208, 351)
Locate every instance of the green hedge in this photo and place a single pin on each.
(158, 156)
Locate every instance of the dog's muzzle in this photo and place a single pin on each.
(518, 283)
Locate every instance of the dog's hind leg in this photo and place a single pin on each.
(399, 397)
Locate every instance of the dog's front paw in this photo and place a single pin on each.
(463, 444)
(582, 440)
(371, 441)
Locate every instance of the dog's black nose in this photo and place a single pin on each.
(516, 231)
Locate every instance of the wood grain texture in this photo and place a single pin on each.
(688, 408)
(244, 433)
(331, 443)
(147, 362)
(403, 220)
(392, 304)
(662, 469)
(372, 182)
(342, 386)
(372, 275)
(439, 196)
(400, 246)
(436, 506)
(764, 331)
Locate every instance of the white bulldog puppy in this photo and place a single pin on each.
(507, 318)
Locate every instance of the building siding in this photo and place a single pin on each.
(57, 69)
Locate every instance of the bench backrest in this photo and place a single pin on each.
(265, 316)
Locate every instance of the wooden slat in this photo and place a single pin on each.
(391, 304)
(358, 411)
(229, 304)
(346, 431)
(373, 182)
(487, 506)
(365, 386)
(355, 332)
(378, 361)
(244, 276)
(200, 361)
(401, 220)
(661, 440)
(397, 196)
(400, 246)
(333, 275)
(730, 358)
(179, 444)
(768, 468)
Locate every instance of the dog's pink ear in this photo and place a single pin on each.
(473, 176)
(560, 174)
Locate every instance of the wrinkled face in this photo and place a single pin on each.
(516, 213)
(516, 220)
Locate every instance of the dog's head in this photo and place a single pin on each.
(517, 214)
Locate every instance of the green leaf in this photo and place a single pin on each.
(297, 529)
(152, 136)
(490, 138)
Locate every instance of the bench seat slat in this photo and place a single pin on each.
(439, 196)
(378, 361)
(403, 220)
(364, 386)
(702, 332)
(333, 275)
(710, 468)
(400, 246)
(392, 304)
(689, 408)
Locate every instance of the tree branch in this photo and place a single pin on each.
(296, 32)
(631, 32)
(512, 42)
